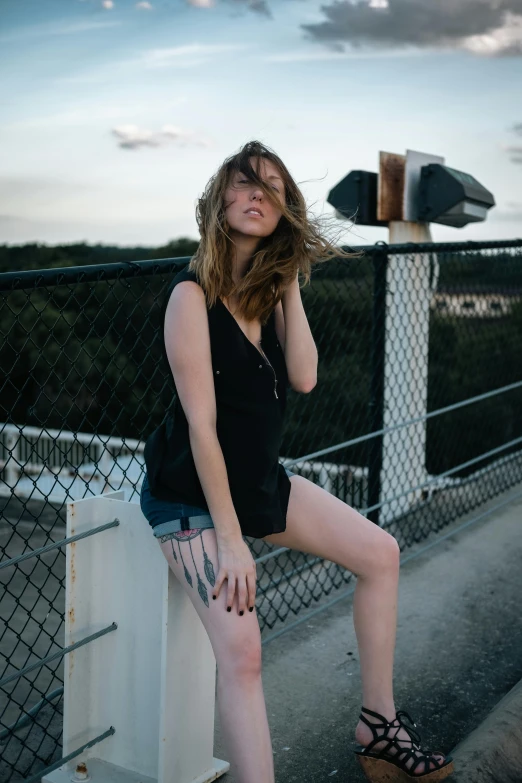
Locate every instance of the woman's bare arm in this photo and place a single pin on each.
(187, 343)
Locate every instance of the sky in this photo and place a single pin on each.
(115, 113)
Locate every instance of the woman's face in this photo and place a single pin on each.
(243, 198)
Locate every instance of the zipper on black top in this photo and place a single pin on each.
(275, 378)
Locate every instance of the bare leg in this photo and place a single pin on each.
(321, 524)
(236, 641)
(242, 713)
(375, 621)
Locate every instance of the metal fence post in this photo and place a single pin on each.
(406, 348)
(376, 415)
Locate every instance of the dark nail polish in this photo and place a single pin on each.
(251, 609)
(241, 612)
(214, 597)
(229, 608)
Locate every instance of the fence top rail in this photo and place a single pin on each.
(27, 430)
(41, 278)
(444, 247)
(90, 273)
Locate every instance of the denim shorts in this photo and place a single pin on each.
(167, 518)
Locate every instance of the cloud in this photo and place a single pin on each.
(80, 115)
(506, 216)
(108, 5)
(311, 55)
(184, 56)
(131, 137)
(515, 153)
(257, 6)
(25, 187)
(482, 27)
(13, 220)
(515, 150)
(56, 28)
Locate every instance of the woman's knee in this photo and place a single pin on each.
(240, 656)
(386, 553)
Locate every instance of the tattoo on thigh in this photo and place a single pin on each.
(189, 535)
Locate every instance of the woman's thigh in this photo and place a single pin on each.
(193, 557)
(321, 524)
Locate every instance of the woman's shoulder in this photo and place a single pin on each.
(184, 274)
(181, 276)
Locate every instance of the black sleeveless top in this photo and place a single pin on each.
(250, 404)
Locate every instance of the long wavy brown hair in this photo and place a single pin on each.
(294, 246)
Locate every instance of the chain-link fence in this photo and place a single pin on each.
(416, 418)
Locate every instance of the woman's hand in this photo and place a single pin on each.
(237, 566)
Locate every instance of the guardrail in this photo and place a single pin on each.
(57, 465)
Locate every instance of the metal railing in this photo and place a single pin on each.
(416, 419)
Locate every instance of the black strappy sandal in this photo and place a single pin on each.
(380, 766)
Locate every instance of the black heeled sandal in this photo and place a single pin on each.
(380, 766)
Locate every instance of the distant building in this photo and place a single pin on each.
(476, 301)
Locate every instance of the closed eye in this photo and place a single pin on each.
(247, 180)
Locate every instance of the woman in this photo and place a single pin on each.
(235, 335)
